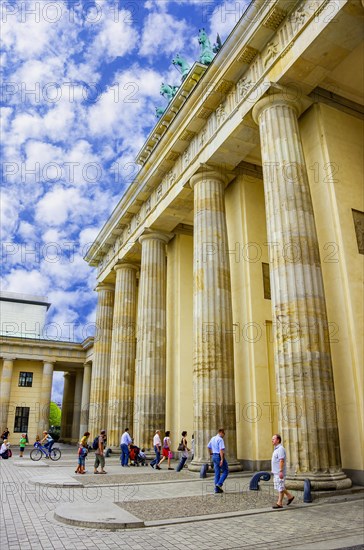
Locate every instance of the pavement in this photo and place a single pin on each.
(44, 505)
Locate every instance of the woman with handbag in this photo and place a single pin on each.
(184, 449)
(166, 450)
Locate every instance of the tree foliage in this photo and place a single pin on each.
(55, 415)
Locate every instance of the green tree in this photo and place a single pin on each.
(55, 415)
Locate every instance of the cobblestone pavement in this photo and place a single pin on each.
(27, 520)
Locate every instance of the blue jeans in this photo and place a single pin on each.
(49, 445)
(124, 457)
(181, 463)
(221, 472)
(157, 456)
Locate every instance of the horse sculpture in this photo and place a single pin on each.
(207, 53)
(182, 65)
(159, 111)
(168, 91)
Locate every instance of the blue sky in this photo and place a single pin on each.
(81, 81)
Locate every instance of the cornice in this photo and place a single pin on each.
(229, 87)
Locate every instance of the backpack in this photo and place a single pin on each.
(95, 443)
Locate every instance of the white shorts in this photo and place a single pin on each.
(278, 483)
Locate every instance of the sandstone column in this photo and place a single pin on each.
(76, 419)
(85, 398)
(302, 352)
(6, 377)
(150, 375)
(99, 395)
(45, 396)
(214, 391)
(122, 365)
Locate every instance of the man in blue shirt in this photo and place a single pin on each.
(216, 448)
(124, 446)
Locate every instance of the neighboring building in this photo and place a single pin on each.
(29, 359)
(245, 225)
(22, 315)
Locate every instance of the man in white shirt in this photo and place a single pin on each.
(124, 446)
(279, 467)
(157, 444)
(216, 447)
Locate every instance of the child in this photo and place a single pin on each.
(82, 453)
(142, 456)
(22, 443)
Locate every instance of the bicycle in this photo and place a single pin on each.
(38, 452)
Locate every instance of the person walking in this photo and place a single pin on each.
(183, 447)
(124, 446)
(216, 447)
(99, 454)
(166, 450)
(157, 444)
(279, 468)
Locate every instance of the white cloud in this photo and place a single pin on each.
(33, 281)
(163, 33)
(9, 215)
(115, 36)
(57, 205)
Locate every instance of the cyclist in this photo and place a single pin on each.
(47, 441)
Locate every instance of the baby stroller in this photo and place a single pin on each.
(136, 458)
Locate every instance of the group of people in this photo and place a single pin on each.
(216, 447)
(165, 449)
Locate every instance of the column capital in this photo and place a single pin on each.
(125, 265)
(49, 361)
(105, 286)
(149, 235)
(8, 358)
(284, 96)
(210, 173)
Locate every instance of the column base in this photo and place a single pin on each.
(319, 482)
(196, 465)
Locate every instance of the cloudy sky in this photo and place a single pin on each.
(81, 81)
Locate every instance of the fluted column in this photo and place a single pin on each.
(99, 395)
(150, 375)
(6, 378)
(76, 418)
(123, 347)
(214, 391)
(85, 398)
(45, 396)
(306, 394)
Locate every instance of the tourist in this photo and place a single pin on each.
(5, 449)
(192, 446)
(184, 449)
(279, 468)
(82, 454)
(216, 447)
(99, 453)
(5, 434)
(125, 442)
(166, 450)
(157, 444)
